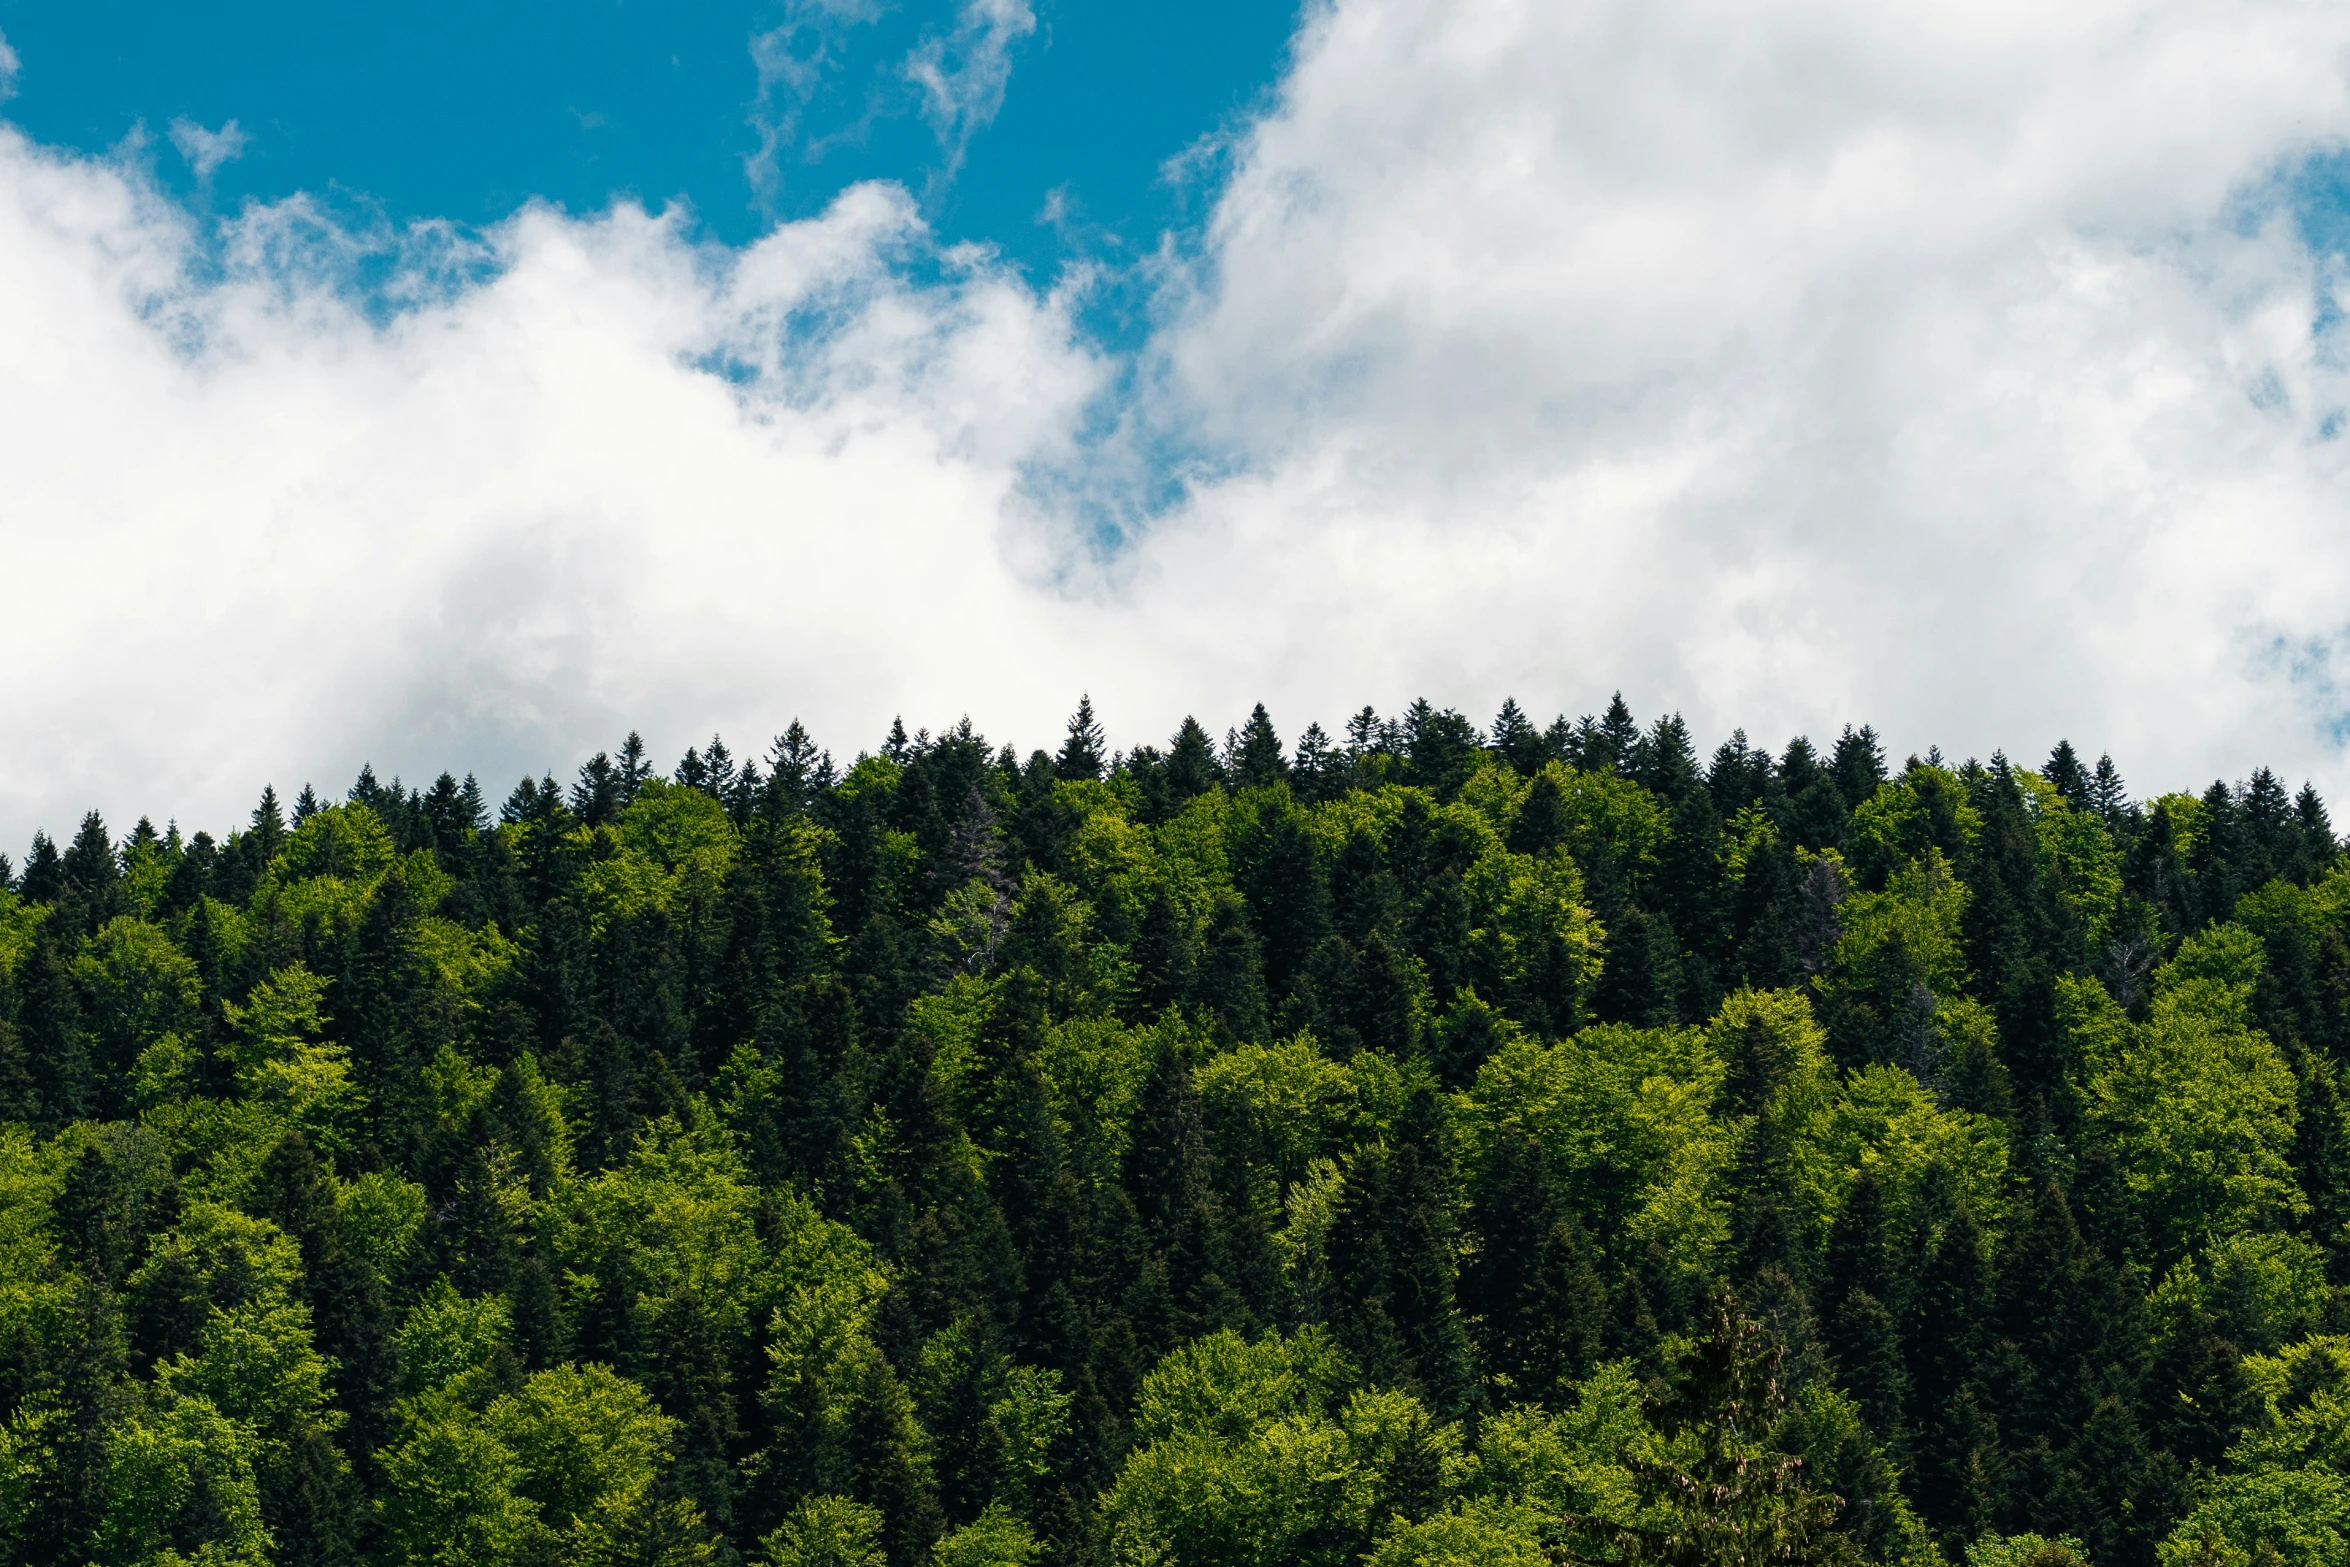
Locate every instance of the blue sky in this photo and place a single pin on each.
(464, 111)
(1971, 368)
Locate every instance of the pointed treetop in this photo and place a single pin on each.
(2106, 795)
(305, 805)
(44, 870)
(1083, 753)
(1619, 733)
(798, 771)
(1664, 762)
(90, 865)
(269, 823)
(633, 769)
(1510, 726)
(2066, 775)
(1316, 756)
(596, 796)
(1192, 768)
(1857, 765)
(1257, 758)
(896, 746)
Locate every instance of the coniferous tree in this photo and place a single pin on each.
(1082, 753)
(921, 1147)
(1532, 1285)
(1722, 1494)
(1392, 1257)
(1257, 759)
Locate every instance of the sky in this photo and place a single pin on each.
(465, 387)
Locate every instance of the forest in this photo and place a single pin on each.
(1426, 1145)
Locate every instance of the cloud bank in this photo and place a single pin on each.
(1964, 369)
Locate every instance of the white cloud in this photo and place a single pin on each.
(962, 75)
(627, 482)
(792, 60)
(1786, 365)
(10, 66)
(1947, 367)
(207, 150)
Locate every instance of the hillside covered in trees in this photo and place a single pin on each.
(1430, 1145)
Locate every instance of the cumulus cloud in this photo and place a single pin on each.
(1962, 369)
(624, 481)
(1948, 366)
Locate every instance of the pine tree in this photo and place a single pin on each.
(1318, 770)
(44, 871)
(1665, 761)
(350, 1322)
(2106, 794)
(633, 768)
(1721, 1493)
(2317, 851)
(93, 873)
(1257, 760)
(1532, 1284)
(1192, 769)
(1442, 747)
(1082, 753)
(2065, 773)
(596, 797)
(2321, 1155)
(1517, 741)
(1170, 1176)
(1616, 738)
(1858, 765)
(1393, 1259)
(1542, 823)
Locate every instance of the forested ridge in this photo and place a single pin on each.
(1428, 1145)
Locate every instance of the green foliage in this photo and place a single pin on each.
(2025, 1550)
(827, 1531)
(1712, 1488)
(568, 1467)
(1253, 1453)
(2287, 1486)
(995, 1538)
(2199, 1104)
(1417, 1150)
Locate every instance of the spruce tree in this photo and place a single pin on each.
(1082, 754)
(1257, 760)
(1720, 1493)
(349, 1319)
(1532, 1284)
(1393, 1258)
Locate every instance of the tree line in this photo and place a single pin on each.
(1428, 1144)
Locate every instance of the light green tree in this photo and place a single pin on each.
(2199, 1104)
(2284, 1493)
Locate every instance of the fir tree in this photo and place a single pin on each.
(1082, 753)
(1257, 760)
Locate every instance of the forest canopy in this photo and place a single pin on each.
(1428, 1145)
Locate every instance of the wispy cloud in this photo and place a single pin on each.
(207, 150)
(10, 67)
(792, 60)
(963, 74)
